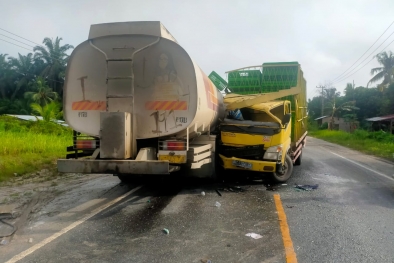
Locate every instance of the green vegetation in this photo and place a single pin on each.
(376, 143)
(27, 146)
(33, 78)
(359, 102)
(385, 72)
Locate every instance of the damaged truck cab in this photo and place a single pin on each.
(270, 134)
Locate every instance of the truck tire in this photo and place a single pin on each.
(299, 159)
(284, 175)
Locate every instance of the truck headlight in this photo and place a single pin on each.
(274, 153)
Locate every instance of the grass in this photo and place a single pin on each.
(380, 144)
(27, 146)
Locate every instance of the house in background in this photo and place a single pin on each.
(339, 123)
(385, 123)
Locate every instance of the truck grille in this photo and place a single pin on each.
(255, 152)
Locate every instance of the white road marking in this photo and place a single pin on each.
(366, 168)
(70, 227)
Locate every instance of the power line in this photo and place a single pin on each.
(55, 58)
(19, 36)
(17, 40)
(365, 52)
(29, 50)
(342, 79)
(347, 75)
(16, 44)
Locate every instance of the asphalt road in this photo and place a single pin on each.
(348, 218)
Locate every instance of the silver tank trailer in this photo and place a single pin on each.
(172, 94)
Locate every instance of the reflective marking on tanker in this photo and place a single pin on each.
(89, 105)
(166, 105)
(211, 92)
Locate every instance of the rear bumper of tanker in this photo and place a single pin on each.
(114, 166)
(249, 165)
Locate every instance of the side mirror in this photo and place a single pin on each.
(286, 119)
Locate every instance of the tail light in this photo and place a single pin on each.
(172, 145)
(85, 144)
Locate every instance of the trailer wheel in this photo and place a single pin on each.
(299, 159)
(287, 170)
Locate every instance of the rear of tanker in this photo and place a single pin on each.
(138, 104)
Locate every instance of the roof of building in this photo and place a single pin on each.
(382, 118)
(321, 118)
(34, 118)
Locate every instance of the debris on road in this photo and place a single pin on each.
(270, 188)
(289, 206)
(30, 240)
(203, 193)
(206, 261)
(4, 242)
(306, 187)
(217, 191)
(166, 231)
(217, 204)
(7, 216)
(234, 189)
(254, 235)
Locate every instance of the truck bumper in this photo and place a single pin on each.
(244, 164)
(114, 166)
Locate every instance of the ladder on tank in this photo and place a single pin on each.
(128, 95)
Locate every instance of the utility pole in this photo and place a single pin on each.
(353, 89)
(322, 100)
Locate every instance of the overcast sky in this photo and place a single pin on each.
(325, 37)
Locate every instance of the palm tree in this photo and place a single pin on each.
(346, 106)
(49, 112)
(4, 67)
(386, 72)
(23, 67)
(41, 93)
(17, 106)
(55, 57)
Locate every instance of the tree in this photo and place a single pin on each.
(387, 102)
(349, 90)
(4, 69)
(346, 106)
(41, 93)
(49, 112)
(314, 108)
(386, 72)
(23, 68)
(17, 106)
(55, 57)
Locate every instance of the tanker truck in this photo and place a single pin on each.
(138, 104)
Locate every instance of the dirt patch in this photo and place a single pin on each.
(32, 191)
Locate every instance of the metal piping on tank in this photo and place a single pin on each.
(133, 135)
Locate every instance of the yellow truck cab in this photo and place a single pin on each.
(269, 131)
